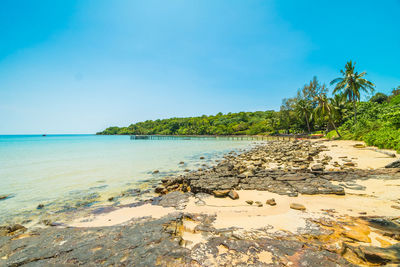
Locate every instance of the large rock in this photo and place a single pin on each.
(394, 164)
(233, 194)
(221, 193)
(378, 255)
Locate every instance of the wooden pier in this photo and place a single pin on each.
(212, 137)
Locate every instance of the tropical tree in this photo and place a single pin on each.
(304, 109)
(339, 106)
(352, 84)
(325, 110)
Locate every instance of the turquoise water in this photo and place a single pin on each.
(36, 169)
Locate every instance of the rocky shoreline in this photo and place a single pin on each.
(187, 238)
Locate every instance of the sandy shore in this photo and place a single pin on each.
(365, 158)
(376, 197)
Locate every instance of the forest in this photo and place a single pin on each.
(354, 111)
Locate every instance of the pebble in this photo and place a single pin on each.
(271, 202)
(258, 203)
(297, 206)
(250, 202)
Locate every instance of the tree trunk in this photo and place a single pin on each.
(335, 128)
(308, 124)
(355, 111)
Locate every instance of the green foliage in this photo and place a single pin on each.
(395, 100)
(377, 123)
(379, 98)
(384, 137)
(332, 135)
(260, 122)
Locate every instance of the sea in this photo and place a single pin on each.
(40, 170)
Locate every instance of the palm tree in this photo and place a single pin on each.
(352, 84)
(304, 109)
(338, 103)
(325, 110)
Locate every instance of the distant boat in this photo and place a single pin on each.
(43, 135)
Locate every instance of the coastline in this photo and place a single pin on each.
(334, 190)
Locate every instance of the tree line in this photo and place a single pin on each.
(311, 111)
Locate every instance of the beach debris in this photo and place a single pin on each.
(221, 193)
(181, 162)
(250, 202)
(258, 203)
(156, 171)
(40, 206)
(233, 194)
(271, 202)
(202, 157)
(186, 170)
(297, 206)
(110, 199)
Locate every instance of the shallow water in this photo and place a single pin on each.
(36, 169)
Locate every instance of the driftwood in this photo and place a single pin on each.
(390, 154)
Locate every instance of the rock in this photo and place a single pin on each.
(16, 227)
(175, 199)
(181, 162)
(359, 146)
(186, 170)
(271, 202)
(156, 171)
(349, 164)
(202, 158)
(395, 207)
(294, 177)
(233, 194)
(359, 236)
(159, 189)
(110, 198)
(258, 203)
(297, 206)
(221, 193)
(40, 206)
(317, 167)
(394, 164)
(377, 255)
(250, 202)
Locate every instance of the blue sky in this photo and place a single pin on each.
(79, 66)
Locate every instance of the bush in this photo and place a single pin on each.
(385, 137)
(395, 100)
(379, 98)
